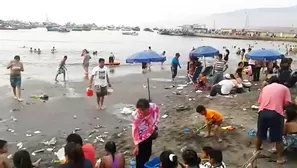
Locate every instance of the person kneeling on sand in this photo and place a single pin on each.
(212, 118)
(101, 81)
(112, 159)
(224, 87)
(88, 149)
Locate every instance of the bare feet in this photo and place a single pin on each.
(15, 98)
(220, 140)
(206, 135)
(281, 161)
(20, 100)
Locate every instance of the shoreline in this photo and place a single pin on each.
(242, 37)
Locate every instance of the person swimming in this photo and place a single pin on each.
(31, 50)
(53, 50)
(38, 51)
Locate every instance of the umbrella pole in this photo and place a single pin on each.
(148, 89)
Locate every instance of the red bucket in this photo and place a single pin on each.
(89, 92)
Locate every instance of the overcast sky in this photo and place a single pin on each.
(131, 12)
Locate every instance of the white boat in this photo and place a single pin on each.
(130, 33)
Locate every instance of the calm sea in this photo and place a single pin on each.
(44, 66)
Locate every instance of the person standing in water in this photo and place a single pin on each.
(164, 56)
(86, 62)
(62, 69)
(174, 65)
(112, 159)
(111, 58)
(16, 67)
(101, 81)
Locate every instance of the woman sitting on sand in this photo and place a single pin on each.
(22, 159)
(75, 157)
(168, 160)
(112, 160)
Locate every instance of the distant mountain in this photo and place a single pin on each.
(260, 17)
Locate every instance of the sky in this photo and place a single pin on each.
(128, 12)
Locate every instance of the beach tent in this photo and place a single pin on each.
(146, 56)
(264, 54)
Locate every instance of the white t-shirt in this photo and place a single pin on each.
(227, 86)
(100, 76)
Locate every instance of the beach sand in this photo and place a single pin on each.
(68, 108)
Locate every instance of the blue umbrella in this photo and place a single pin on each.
(204, 51)
(264, 54)
(146, 56)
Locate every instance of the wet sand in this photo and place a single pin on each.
(68, 108)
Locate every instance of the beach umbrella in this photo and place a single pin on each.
(264, 54)
(204, 51)
(146, 56)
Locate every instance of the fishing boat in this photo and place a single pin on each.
(148, 30)
(85, 28)
(76, 28)
(136, 28)
(7, 28)
(64, 30)
(52, 28)
(130, 33)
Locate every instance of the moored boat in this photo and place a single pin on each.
(86, 28)
(64, 30)
(52, 28)
(77, 29)
(130, 33)
(7, 28)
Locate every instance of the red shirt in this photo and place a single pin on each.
(274, 97)
(89, 153)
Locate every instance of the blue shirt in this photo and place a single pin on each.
(87, 164)
(175, 62)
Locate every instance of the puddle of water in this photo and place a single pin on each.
(72, 94)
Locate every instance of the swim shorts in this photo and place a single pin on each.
(101, 91)
(61, 70)
(269, 119)
(15, 80)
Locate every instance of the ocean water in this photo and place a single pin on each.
(44, 66)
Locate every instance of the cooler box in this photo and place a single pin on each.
(154, 163)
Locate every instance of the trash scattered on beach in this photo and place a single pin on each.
(11, 130)
(20, 145)
(177, 93)
(183, 149)
(28, 135)
(164, 116)
(254, 107)
(50, 149)
(13, 119)
(52, 142)
(169, 87)
(76, 129)
(127, 110)
(198, 91)
(37, 151)
(37, 132)
(42, 97)
(100, 139)
(182, 108)
(180, 88)
(60, 154)
(244, 109)
(75, 117)
(192, 99)
(12, 110)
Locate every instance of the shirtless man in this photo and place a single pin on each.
(16, 67)
(62, 69)
(4, 162)
(86, 62)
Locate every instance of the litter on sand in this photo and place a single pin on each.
(254, 107)
(127, 110)
(52, 142)
(164, 116)
(198, 91)
(229, 128)
(37, 132)
(61, 154)
(20, 145)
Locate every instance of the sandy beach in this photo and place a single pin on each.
(68, 109)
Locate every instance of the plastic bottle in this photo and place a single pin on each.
(132, 163)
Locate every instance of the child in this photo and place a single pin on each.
(213, 118)
(215, 159)
(62, 69)
(201, 81)
(205, 153)
(190, 159)
(4, 162)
